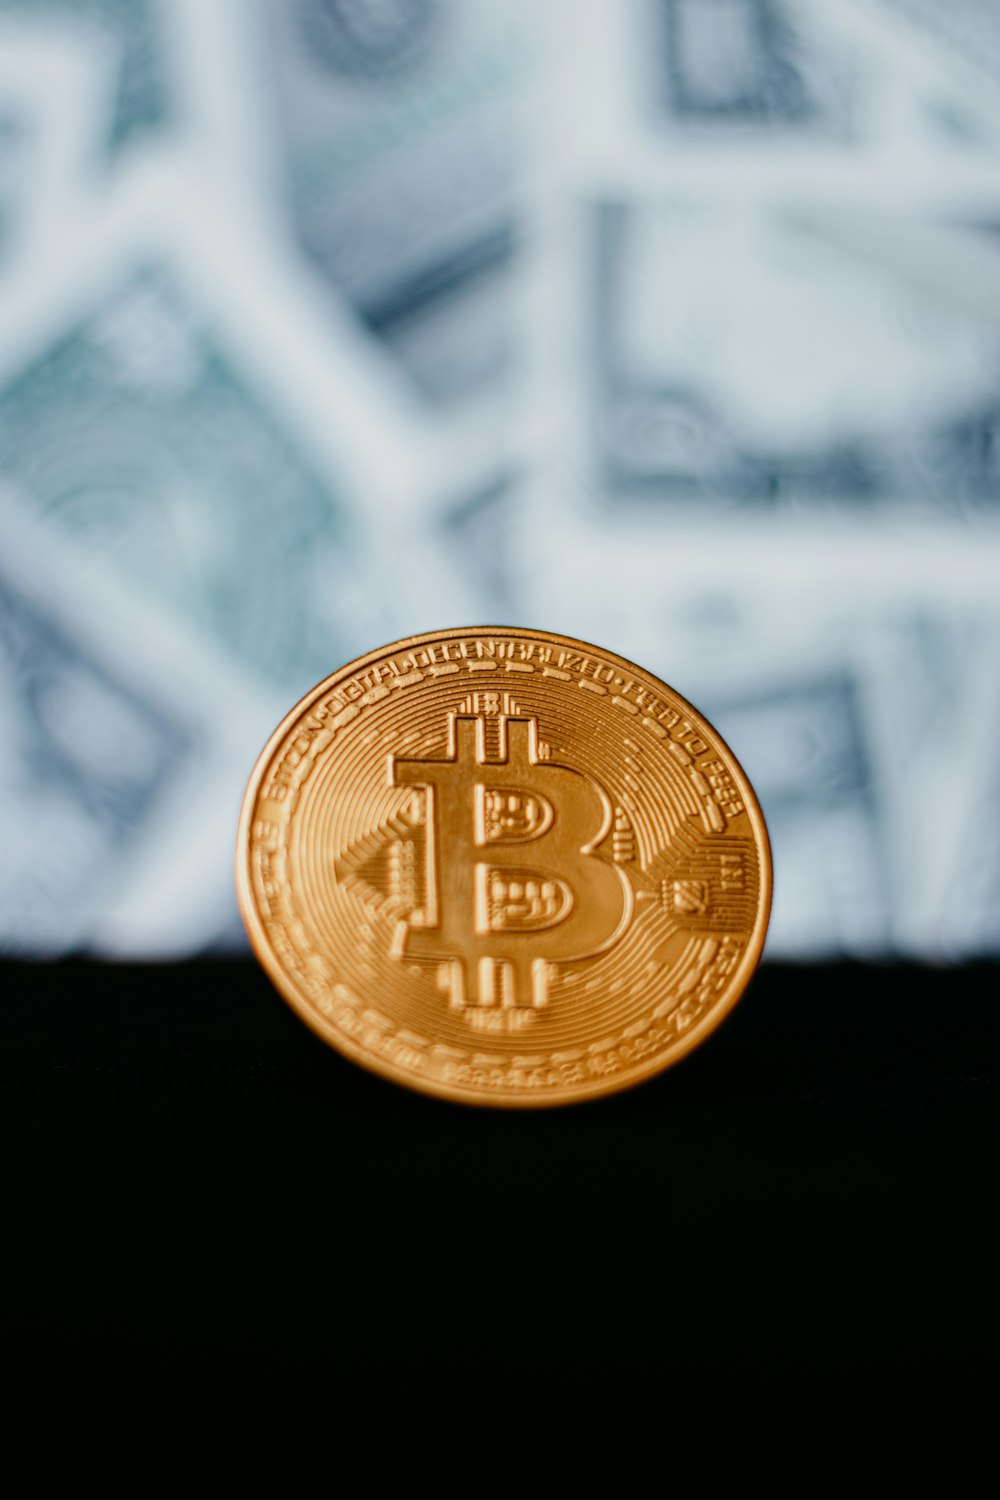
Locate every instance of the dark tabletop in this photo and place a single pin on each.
(191, 1172)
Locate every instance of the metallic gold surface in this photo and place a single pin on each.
(504, 867)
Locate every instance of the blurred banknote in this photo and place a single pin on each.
(747, 357)
(124, 744)
(401, 170)
(804, 742)
(969, 28)
(89, 747)
(137, 417)
(85, 752)
(733, 323)
(14, 158)
(135, 433)
(958, 913)
(748, 65)
(49, 92)
(818, 78)
(130, 36)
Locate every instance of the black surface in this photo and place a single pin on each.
(191, 1173)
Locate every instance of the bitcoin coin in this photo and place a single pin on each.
(504, 867)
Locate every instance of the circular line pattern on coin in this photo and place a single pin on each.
(336, 868)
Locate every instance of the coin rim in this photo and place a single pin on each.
(463, 1094)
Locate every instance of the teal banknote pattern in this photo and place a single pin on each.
(672, 325)
(132, 34)
(137, 436)
(399, 128)
(87, 753)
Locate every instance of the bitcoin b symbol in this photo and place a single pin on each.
(512, 881)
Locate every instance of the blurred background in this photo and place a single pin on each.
(671, 324)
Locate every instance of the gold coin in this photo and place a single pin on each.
(503, 867)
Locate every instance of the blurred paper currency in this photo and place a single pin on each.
(402, 168)
(130, 37)
(88, 748)
(122, 743)
(142, 415)
(329, 321)
(758, 358)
